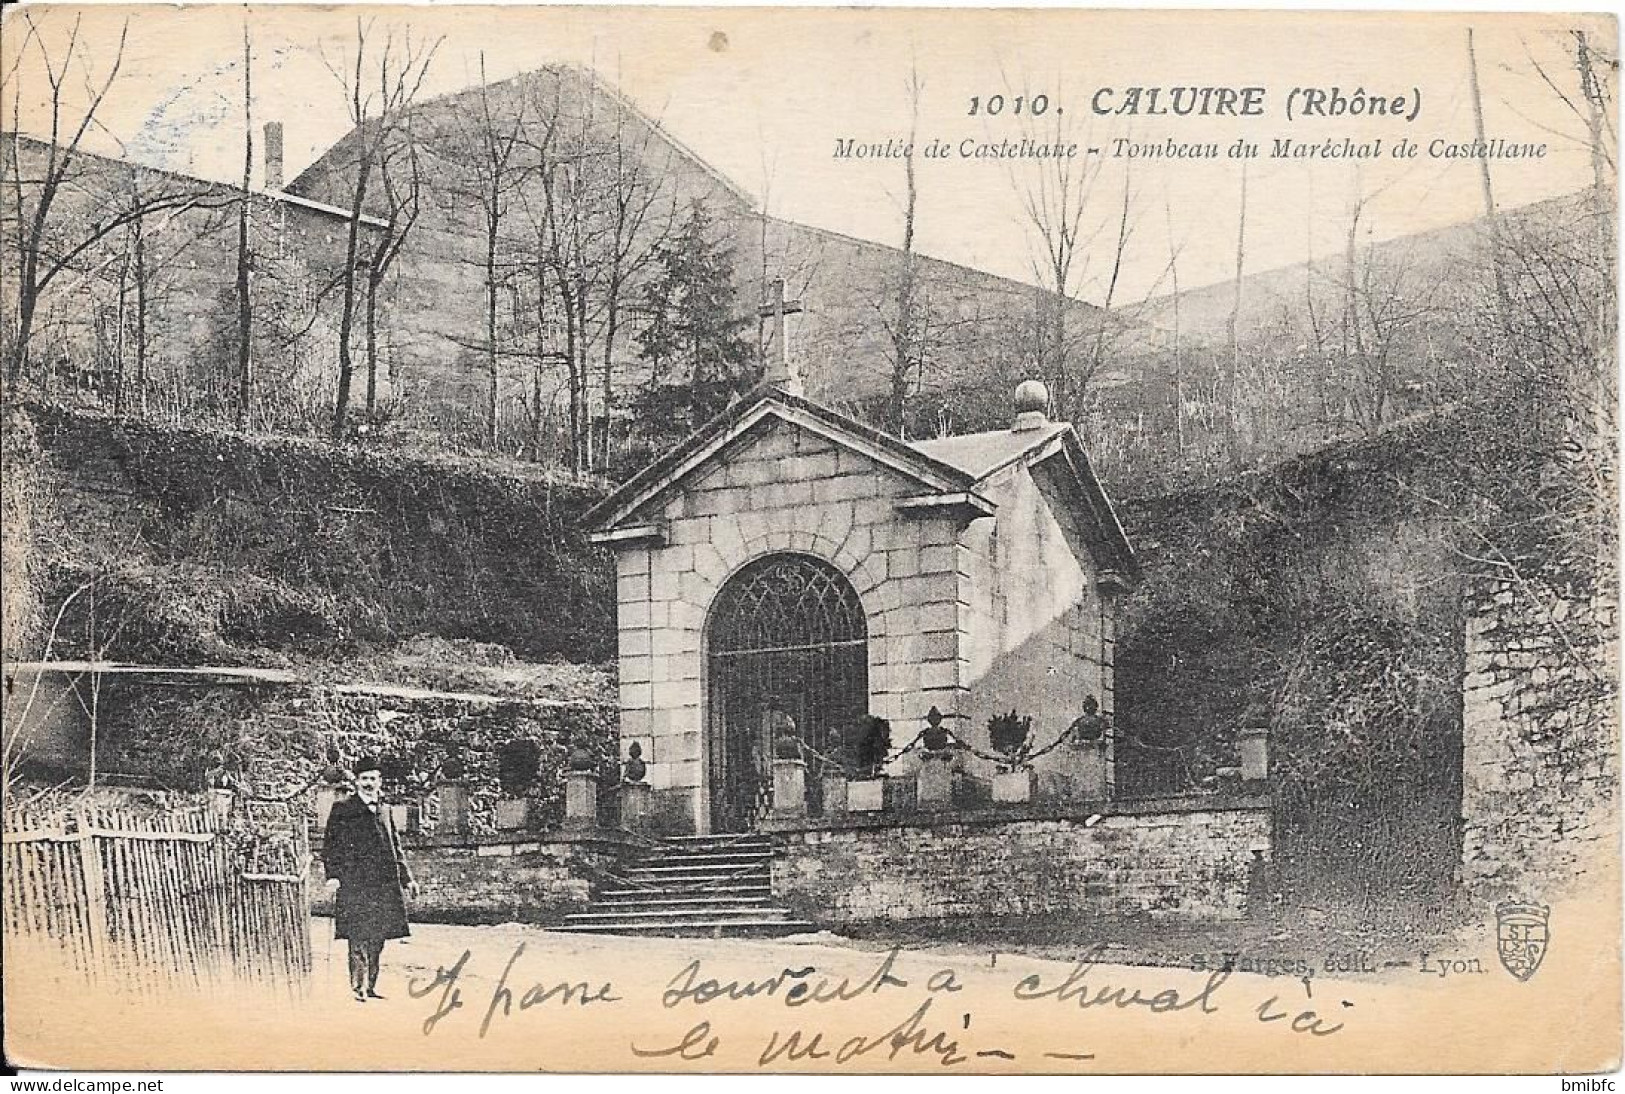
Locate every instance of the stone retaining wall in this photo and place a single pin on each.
(1540, 763)
(531, 878)
(1190, 858)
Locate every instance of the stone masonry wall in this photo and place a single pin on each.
(498, 879)
(1540, 762)
(1186, 860)
(1035, 629)
(783, 488)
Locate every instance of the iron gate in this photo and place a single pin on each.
(787, 639)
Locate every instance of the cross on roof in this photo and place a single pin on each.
(776, 370)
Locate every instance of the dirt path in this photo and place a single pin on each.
(516, 998)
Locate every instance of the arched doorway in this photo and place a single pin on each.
(786, 639)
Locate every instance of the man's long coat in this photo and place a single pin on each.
(363, 850)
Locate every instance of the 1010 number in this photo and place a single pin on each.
(1019, 104)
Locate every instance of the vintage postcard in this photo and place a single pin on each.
(747, 540)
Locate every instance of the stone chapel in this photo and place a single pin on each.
(787, 566)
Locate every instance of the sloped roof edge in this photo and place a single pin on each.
(763, 401)
(1118, 552)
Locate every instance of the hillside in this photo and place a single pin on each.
(182, 546)
(973, 323)
(1204, 312)
(1323, 598)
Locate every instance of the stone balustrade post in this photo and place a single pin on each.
(455, 814)
(1094, 770)
(581, 799)
(934, 782)
(789, 788)
(637, 807)
(1252, 745)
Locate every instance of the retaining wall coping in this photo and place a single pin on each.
(522, 842)
(1074, 811)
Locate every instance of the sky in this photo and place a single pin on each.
(765, 97)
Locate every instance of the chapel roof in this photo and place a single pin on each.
(981, 454)
(764, 401)
(951, 467)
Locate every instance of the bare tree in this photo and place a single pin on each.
(1055, 194)
(245, 308)
(59, 208)
(1058, 198)
(484, 156)
(640, 215)
(1233, 325)
(904, 328)
(377, 117)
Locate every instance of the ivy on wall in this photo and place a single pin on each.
(1323, 599)
(206, 545)
(276, 739)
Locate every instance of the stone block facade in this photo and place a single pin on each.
(1186, 859)
(784, 490)
(980, 576)
(1038, 629)
(1540, 759)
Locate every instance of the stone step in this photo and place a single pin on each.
(679, 915)
(720, 858)
(692, 885)
(736, 928)
(662, 875)
(740, 891)
(718, 900)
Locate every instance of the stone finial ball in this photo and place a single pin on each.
(1031, 395)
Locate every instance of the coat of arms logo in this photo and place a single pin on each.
(1520, 936)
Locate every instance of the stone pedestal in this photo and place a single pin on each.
(1013, 786)
(637, 807)
(1252, 745)
(1093, 770)
(454, 809)
(834, 795)
(935, 782)
(789, 788)
(512, 814)
(220, 803)
(866, 795)
(398, 816)
(581, 799)
(327, 795)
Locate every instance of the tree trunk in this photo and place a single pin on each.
(245, 311)
(141, 316)
(611, 324)
(583, 374)
(1233, 365)
(571, 367)
(372, 344)
(352, 249)
(491, 334)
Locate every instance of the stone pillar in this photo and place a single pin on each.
(834, 795)
(637, 807)
(455, 817)
(935, 782)
(220, 803)
(1253, 747)
(1094, 771)
(581, 799)
(789, 788)
(327, 795)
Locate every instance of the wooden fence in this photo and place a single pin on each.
(154, 901)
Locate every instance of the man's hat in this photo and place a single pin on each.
(368, 763)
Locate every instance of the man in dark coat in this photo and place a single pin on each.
(362, 852)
